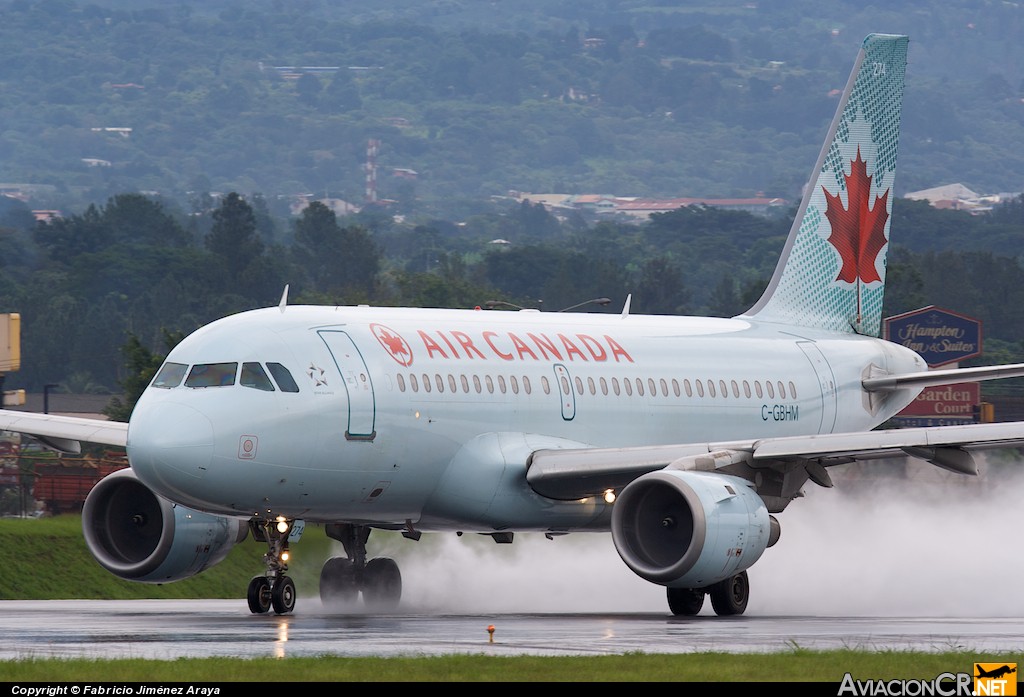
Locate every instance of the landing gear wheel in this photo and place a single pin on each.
(283, 595)
(338, 584)
(259, 595)
(685, 601)
(729, 597)
(382, 584)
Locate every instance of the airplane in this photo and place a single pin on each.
(995, 673)
(685, 438)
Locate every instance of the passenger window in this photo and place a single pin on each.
(711, 388)
(545, 384)
(723, 388)
(640, 387)
(440, 382)
(526, 385)
(515, 384)
(501, 384)
(604, 386)
(664, 388)
(253, 375)
(746, 389)
(615, 386)
(700, 388)
(490, 384)
(170, 375)
(401, 382)
(591, 386)
(628, 385)
(212, 375)
(465, 384)
(735, 389)
(689, 390)
(476, 383)
(651, 387)
(426, 382)
(757, 388)
(782, 390)
(579, 386)
(771, 390)
(451, 384)
(283, 377)
(413, 382)
(675, 387)
(792, 390)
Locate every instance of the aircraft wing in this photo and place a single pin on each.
(580, 473)
(64, 433)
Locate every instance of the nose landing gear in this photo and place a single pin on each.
(275, 589)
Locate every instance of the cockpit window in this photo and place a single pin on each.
(211, 375)
(283, 377)
(170, 375)
(253, 375)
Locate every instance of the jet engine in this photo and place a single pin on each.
(138, 536)
(689, 529)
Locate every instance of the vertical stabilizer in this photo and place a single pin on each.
(831, 274)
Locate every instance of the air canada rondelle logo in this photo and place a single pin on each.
(397, 347)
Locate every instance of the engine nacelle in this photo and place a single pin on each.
(689, 529)
(138, 536)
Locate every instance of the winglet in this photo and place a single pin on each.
(284, 299)
(625, 308)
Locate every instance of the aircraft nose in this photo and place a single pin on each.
(169, 445)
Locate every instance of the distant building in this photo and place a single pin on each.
(605, 205)
(644, 207)
(958, 197)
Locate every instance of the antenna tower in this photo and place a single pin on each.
(371, 170)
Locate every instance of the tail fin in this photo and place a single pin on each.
(831, 274)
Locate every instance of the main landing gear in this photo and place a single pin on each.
(275, 588)
(343, 578)
(728, 597)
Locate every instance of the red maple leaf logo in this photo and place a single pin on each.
(858, 233)
(394, 344)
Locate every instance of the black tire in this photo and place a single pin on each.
(382, 584)
(259, 595)
(729, 597)
(283, 595)
(685, 601)
(338, 582)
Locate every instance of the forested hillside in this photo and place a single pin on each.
(472, 99)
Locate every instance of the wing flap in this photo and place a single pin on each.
(584, 472)
(64, 433)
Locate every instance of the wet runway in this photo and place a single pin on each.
(168, 629)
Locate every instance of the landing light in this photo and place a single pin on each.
(609, 496)
(282, 525)
(285, 556)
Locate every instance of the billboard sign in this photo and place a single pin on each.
(946, 402)
(940, 336)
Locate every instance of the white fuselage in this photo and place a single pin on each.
(387, 398)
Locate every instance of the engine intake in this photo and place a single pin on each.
(138, 536)
(688, 529)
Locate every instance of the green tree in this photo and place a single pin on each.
(235, 243)
(141, 365)
(334, 258)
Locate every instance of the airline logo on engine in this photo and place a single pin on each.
(453, 344)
